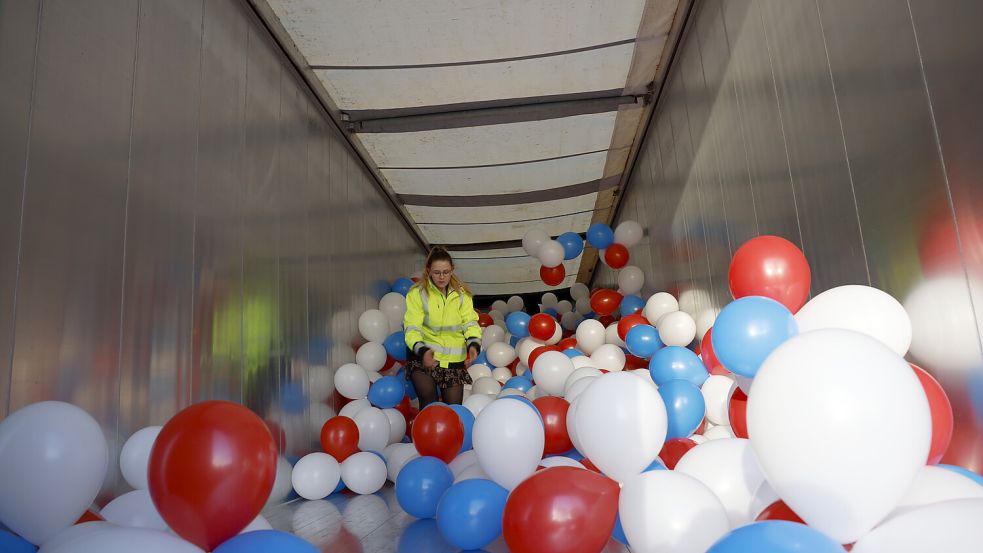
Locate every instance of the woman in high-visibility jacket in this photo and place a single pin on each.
(442, 331)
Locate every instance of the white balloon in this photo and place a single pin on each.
(500, 354)
(491, 335)
(373, 377)
(114, 539)
(936, 484)
(667, 511)
(573, 391)
(472, 472)
(717, 391)
(819, 394)
(395, 323)
(705, 320)
(862, 309)
(560, 461)
(135, 456)
(570, 320)
(401, 454)
(373, 429)
(621, 424)
(611, 336)
(74, 532)
(320, 380)
(628, 233)
(373, 325)
(525, 347)
(550, 371)
(352, 408)
(729, 469)
(488, 385)
(283, 484)
(315, 475)
(515, 303)
(608, 357)
(582, 361)
(258, 523)
(579, 290)
(572, 415)
(694, 300)
(508, 439)
(53, 459)
(393, 304)
(533, 240)
(556, 337)
(351, 381)
(659, 304)
(699, 439)
(476, 402)
(950, 526)
(579, 373)
(549, 299)
(590, 336)
(371, 356)
(397, 425)
(631, 279)
(363, 472)
(479, 370)
(462, 461)
(521, 369)
(677, 329)
(500, 307)
(511, 392)
(340, 354)
(763, 497)
(743, 382)
(134, 510)
(564, 306)
(944, 334)
(718, 432)
(582, 306)
(501, 374)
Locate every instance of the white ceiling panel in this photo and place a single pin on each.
(502, 213)
(508, 289)
(501, 179)
(491, 144)
(401, 32)
(594, 70)
(488, 254)
(495, 232)
(518, 269)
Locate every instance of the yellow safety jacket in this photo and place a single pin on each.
(445, 325)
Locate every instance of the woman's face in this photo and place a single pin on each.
(440, 273)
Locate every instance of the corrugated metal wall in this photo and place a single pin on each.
(179, 220)
(850, 128)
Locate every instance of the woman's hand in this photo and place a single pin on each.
(428, 360)
(472, 355)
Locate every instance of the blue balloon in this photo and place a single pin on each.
(630, 304)
(387, 392)
(420, 485)
(572, 352)
(643, 341)
(590, 315)
(775, 536)
(520, 383)
(514, 341)
(656, 464)
(573, 454)
(572, 244)
(408, 387)
(11, 543)
(600, 235)
(379, 288)
(550, 311)
(470, 514)
(262, 541)
(748, 330)
(292, 397)
(685, 407)
(619, 532)
(482, 359)
(402, 285)
(423, 536)
(395, 345)
(677, 363)
(338, 488)
(467, 421)
(518, 323)
(965, 472)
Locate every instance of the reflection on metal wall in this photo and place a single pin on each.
(180, 221)
(849, 128)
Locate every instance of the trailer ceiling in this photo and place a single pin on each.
(483, 119)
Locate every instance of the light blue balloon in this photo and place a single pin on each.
(630, 304)
(600, 235)
(619, 532)
(467, 421)
(748, 330)
(520, 383)
(964, 471)
(518, 323)
(420, 485)
(643, 341)
(775, 536)
(685, 407)
(262, 541)
(677, 363)
(386, 392)
(572, 244)
(402, 285)
(470, 513)
(571, 353)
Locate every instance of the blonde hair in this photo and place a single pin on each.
(439, 253)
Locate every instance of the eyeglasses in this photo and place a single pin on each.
(441, 273)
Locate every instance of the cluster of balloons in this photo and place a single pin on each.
(613, 246)
(552, 253)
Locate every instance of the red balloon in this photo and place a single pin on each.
(561, 510)
(773, 267)
(484, 319)
(90, 516)
(542, 326)
(674, 449)
(211, 471)
(709, 358)
(589, 465)
(605, 320)
(554, 413)
(737, 411)
(605, 302)
(938, 403)
(633, 362)
(534, 355)
(552, 276)
(629, 322)
(616, 256)
(438, 432)
(339, 438)
(567, 343)
(779, 511)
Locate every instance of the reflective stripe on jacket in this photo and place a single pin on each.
(445, 325)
